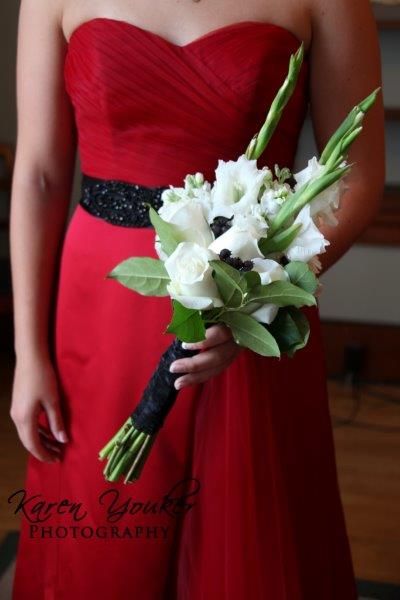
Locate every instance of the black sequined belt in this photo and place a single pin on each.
(119, 202)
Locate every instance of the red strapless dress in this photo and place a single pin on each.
(265, 520)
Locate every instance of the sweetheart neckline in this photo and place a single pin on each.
(199, 39)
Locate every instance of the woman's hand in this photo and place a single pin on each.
(218, 350)
(35, 388)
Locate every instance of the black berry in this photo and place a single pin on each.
(247, 265)
(224, 254)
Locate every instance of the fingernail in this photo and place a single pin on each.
(191, 346)
(62, 436)
(178, 384)
(173, 368)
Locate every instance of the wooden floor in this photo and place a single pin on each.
(368, 458)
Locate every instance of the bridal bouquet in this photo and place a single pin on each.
(242, 251)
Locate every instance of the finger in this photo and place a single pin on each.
(215, 335)
(30, 438)
(204, 360)
(51, 445)
(52, 408)
(48, 436)
(201, 377)
(45, 432)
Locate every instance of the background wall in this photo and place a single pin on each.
(8, 32)
(361, 286)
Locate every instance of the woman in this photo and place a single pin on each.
(245, 462)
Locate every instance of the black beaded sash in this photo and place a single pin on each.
(119, 202)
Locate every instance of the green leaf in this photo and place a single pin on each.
(250, 333)
(187, 323)
(281, 293)
(230, 282)
(291, 330)
(168, 233)
(301, 275)
(252, 279)
(147, 276)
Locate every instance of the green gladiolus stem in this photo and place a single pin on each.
(260, 140)
(354, 117)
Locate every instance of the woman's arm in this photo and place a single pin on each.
(345, 68)
(41, 187)
(43, 171)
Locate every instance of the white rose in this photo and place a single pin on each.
(160, 252)
(192, 283)
(237, 186)
(269, 271)
(188, 216)
(309, 242)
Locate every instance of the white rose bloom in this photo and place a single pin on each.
(269, 271)
(188, 216)
(160, 252)
(241, 239)
(171, 206)
(323, 205)
(237, 185)
(192, 283)
(309, 242)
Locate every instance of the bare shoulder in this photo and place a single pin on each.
(37, 15)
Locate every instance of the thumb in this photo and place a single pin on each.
(55, 419)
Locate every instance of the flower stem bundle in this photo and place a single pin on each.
(127, 451)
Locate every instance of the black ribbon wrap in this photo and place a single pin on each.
(160, 394)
